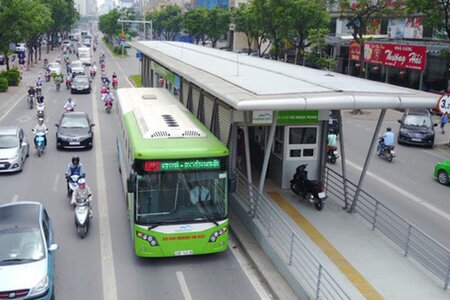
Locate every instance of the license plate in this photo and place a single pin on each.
(416, 140)
(322, 195)
(2, 165)
(74, 143)
(335, 152)
(183, 252)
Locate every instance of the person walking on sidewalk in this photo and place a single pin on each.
(444, 120)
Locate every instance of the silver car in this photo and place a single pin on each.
(26, 252)
(77, 67)
(54, 67)
(14, 149)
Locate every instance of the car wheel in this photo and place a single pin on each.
(442, 177)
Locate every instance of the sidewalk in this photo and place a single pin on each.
(360, 259)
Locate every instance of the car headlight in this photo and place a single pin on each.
(41, 286)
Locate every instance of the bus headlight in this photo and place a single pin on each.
(216, 234)
(151, 239)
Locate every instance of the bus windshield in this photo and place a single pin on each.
(181, 197)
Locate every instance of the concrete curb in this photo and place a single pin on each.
(276, 285)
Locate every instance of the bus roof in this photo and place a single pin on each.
(160, 127)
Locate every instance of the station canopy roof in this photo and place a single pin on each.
(252, 83)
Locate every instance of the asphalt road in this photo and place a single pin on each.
(103, 265)
(407, 184)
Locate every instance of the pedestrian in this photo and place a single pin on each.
(444, 120)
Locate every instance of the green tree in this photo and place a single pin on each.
(436, 13)
(316, 57)
(64, 16)
(194, 21)
(170, 21)
(218, 23)
(302, 16)
(108, 24)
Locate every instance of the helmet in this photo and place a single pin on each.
(69, 100)
(41, 120)
(388, 129)
(75, 159)
(81, 182)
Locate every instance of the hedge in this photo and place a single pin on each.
(3, 84)
(12, 76)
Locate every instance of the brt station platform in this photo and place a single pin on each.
(273, 117)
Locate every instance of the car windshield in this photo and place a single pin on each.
(54, 66)
(79, 79)
(74, 123)
(84, 55)
(8, 141)
(77, 65)
(417, 120)
(173, 197)
(20, 244)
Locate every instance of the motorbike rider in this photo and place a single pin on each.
(108, 96)
(70, 105)
(39, 81)
(387, 140)
(331, 145)
(92, 70)
(105, 78)
(58, 78)
(31, 91)
(83, 191)
(40, 128)
(47, 74)
(74, 168)
(40, 99)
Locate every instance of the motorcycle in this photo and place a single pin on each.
(115, 83)
(47, 76)
(72, 184)
(92, 74)
(308, 189)
(332, 154)
(30, 101)
(68, 83)
(38, 90)
(108, 105)
(58, 86)
(39, 141)
(83, 215)
(40, 110)
(388, 152)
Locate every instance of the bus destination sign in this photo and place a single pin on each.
(182, 165)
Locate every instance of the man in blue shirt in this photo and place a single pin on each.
(387, 140)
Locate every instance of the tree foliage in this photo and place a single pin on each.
(194, 21)
(436, 13)
(218, 21)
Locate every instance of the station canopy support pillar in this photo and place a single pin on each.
(248, 166)
(267, 151)
(343, 165)
(368, 157)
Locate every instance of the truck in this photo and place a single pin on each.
(84, 54)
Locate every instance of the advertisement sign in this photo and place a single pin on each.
(409, 28)
(298, 116)
(262, 117)
(354, 51)
(373, 52)
(405, 56)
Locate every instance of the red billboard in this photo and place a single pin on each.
(405, 56)
(392, 55)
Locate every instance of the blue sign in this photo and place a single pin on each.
(139, 55)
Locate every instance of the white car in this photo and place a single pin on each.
(77, 67)
(21, 47)
(54, 67)
(14, 149)
(66, 44)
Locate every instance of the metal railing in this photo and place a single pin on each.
(414, 242)
(303, 264)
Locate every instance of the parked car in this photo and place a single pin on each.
(74, 131)
(77, 67)
(416, 127)
(26, 252)
(66, 44)
(14, 149)
(54, 67)
(80, 84)
(442, 172)
(21, 47)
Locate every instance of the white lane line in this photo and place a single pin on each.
(108, 272)
(183, 285)
(15, 198)
(126, 77)
(248, 271)
(405, 193)
(55, 184)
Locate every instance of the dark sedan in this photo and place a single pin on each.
(80, 84)
(74, 131)
(416, 128)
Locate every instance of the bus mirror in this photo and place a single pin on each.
(131, 185)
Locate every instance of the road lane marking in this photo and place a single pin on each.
(15, 198)
(353, 275)
(55, 184)
(183, 285)
(403, 192)
(249, 272)
(108, 272)
(24, 119)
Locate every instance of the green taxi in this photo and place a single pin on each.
(442, 171)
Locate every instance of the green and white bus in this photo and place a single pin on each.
(174, 172)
